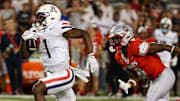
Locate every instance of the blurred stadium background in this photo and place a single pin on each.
(95, 16)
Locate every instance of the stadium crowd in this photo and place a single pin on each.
(95, 16)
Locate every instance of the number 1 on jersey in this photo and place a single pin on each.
(45, 44)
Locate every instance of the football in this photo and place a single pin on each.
(32, 44)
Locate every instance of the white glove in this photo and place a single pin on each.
(92, 64)
(174, 61)
(132, 81)
(124, 86)
(30, 34)
(82, 74)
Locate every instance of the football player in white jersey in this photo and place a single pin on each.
(165, 35)
(53, 35)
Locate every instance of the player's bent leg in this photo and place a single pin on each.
(60, 84)
(59, 81)
(165, 98)
(66, 95)
(54, 83)
(161, 86)
(39, 89)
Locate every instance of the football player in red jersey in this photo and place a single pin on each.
(136, 54)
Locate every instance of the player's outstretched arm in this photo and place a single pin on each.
(92, 64)
(78, 33)
(154, 47)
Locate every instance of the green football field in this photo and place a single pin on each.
(50, 98)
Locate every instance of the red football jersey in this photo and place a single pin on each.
(149, 40)
(138, 58)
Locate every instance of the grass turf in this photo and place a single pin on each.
(79, 98)
(52, 99)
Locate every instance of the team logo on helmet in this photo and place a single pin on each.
(46, 15)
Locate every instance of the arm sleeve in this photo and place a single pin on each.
(65, 26)
(139, 48)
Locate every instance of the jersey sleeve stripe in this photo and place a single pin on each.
(65, 23)
(66, 27)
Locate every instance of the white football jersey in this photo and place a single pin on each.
(53, 47)
(169, 38)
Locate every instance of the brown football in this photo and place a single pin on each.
(32, 44)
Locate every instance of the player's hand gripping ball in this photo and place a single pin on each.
(32, 39)
(33, 44)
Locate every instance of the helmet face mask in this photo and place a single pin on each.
(40, 19)
(115, 42)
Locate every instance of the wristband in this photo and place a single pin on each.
(91, 54)
(172, 49)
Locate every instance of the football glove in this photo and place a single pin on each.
(30, 34)
(82, 74)
(92, 64)
(124, 86)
